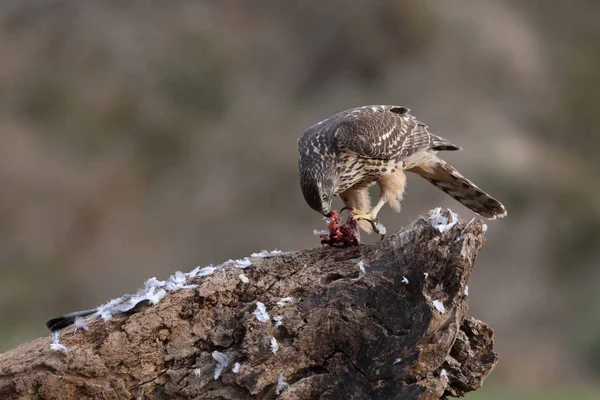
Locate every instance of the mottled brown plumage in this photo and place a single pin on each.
(352, 150)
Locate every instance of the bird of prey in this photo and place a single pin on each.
(354, 149)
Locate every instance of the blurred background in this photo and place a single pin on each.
(143, 137)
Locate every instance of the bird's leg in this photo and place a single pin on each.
(369, 216)
(375, 210)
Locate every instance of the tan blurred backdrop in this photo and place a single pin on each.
(143, 137)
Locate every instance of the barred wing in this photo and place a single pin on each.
(385, 132)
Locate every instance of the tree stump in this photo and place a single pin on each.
(398, 330)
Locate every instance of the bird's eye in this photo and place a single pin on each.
(324, 197)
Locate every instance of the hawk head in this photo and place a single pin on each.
(318, 180)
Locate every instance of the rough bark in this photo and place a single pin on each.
(376, 337)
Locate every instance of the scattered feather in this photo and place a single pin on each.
(278, 319)
(382, 229)
(178, 281)
(466, 290)
(149, 293)
(154, 283)
(236, 368)
(426, 274)
(56, 345)
(155, 297)
(80, 324)
(193, 272)
(285, 300)
(261, 312)
(153, 292)
(361, 266)
(484, 228)
(281, 385)
(265, 253)
(404, 280)
(203, 271)
(106, 316)
(197, 372)
(465, 229)
(152, 295)
(442, 222)
(439, 306)
(397, 360)
(106, 311)
(244, 263)
(274, 345)
(59, 347)
(321, 233)
(222, 362)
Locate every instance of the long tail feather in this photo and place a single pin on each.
(445, 177)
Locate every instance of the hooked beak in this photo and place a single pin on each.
(326, 212)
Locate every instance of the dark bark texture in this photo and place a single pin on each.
(398, 331)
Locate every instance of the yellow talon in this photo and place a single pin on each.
(358, 215)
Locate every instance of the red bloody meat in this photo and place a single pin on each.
(341, 234)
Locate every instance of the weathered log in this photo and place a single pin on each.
(397, 331)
